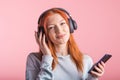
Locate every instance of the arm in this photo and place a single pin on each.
(43, 73)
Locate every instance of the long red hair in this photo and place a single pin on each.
(74, 51)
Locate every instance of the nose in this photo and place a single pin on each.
(58, 29)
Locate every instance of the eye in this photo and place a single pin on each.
(62, 23)
(50, 27)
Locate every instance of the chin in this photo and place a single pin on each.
(62, 42)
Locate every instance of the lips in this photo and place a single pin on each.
(60, 36)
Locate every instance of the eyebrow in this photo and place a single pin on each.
(59, 21)
(62, 20)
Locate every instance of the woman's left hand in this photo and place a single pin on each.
(100, 70)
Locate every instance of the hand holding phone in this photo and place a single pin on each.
(104, 59)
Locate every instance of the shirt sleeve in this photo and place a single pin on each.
(89, 63)
(45, 71)
(90, 77)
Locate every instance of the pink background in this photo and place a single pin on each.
(98, 32)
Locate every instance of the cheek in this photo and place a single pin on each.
(68, 35)
(51, 36)
(67, 29)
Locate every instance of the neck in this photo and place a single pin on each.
(62, 49)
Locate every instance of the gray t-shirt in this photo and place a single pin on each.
(64, 70)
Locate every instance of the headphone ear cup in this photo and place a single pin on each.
(73, 25)
(40, 29)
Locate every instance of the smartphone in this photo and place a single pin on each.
(105, 58)
(41, 29)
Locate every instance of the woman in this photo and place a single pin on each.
(59, 58)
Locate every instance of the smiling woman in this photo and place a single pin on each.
(59, 58)
(58, 29)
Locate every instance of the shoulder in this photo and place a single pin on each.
(88, 63)
(33, 61)
(87, 60)
(34, 56)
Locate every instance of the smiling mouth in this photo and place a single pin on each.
(60, 36)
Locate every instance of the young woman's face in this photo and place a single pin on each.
(58, 29)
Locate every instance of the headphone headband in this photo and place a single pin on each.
(51, 9)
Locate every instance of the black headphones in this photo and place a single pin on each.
(72, 23)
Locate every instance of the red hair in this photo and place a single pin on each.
(74, 51)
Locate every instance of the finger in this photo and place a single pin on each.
(43, 39)
(36, 38)
(102, 63)
(40, 38)
(98, 69)
(96, 74)
(101, 66)
(35, 34)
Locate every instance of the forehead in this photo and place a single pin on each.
(54, 18)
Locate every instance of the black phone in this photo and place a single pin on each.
(105, 58)
(38, 32)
